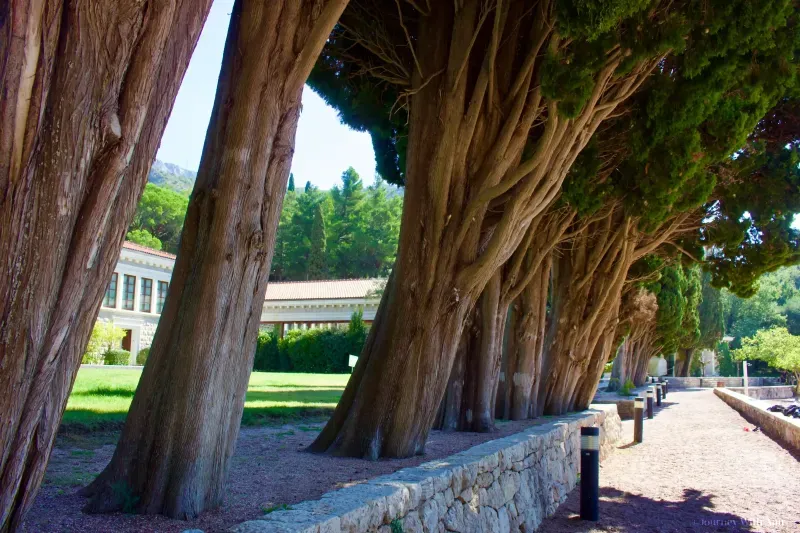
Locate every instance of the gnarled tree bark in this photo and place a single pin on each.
(588, 282)
(588, 279)
(683, 362)
(87, 89)
(523, 362)
(483, 389)
(474, 105)
(180, 434)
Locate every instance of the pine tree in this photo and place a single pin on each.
(316, 260)
(347, 217)
(291, 183)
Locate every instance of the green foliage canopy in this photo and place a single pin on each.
(160, 215)
(776, 346)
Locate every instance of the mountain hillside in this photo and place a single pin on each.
(172, 177)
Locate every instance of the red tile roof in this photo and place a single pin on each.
(325, 289)
(144, 249)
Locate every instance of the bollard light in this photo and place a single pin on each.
(638, 419)
(658, 394)
(590, 473)
(664, 389)
(650, 394)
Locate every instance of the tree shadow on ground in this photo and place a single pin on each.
(624, 512)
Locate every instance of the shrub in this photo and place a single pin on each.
(627, 388)
(141, 357)
(105, 335)
(117, 357)
(92, 358)
(321, 351)
(268, 357)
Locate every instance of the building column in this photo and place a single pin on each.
(137, 281)
(118, 295)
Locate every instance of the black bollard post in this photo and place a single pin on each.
(666, 388)
(658, 394)
(638, 419)
(650, 403)
(590, 473)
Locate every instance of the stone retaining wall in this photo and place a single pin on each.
(711, 382)
(775, 392)
(782, 429)
(504, 485)
(624, 406)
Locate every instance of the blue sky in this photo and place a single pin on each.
(324, 148)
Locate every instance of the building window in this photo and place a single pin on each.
(110, 299)
(161, 296)
(146, 296)
(128, 288)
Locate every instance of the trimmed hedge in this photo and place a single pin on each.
(141, 357)
(319, 351)
(117, 357)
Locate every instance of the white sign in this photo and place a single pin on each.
(353, 361)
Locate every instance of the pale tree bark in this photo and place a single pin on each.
(87, 89)
(523, 363)
(646, 350)
(637, 324)
(588, 283)
(180, 433)
(683, 362)
(617, 369)
(496, 385)
(588, 279)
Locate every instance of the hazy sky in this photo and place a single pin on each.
(324, 149)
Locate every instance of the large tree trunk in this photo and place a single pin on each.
(588, 279)
(683, 362)
(588, 283)
(524, 359)
(483, 362)
(87, 89)
(500, 375)
(474, 100)
(645, 352)
(180, 434)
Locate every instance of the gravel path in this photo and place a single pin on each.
(700, 468)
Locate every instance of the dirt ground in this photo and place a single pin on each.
(269, 469)
(701, 468)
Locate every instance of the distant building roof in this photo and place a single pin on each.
(325, 289)
(128, 245)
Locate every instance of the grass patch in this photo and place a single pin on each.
(77, 478)
(82, 453)
(101, 398)
(281, 507)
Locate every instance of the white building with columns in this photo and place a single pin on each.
(137, 290)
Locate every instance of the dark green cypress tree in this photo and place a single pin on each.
(291, 183)
(317, 258)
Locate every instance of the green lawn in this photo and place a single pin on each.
(101, 397)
